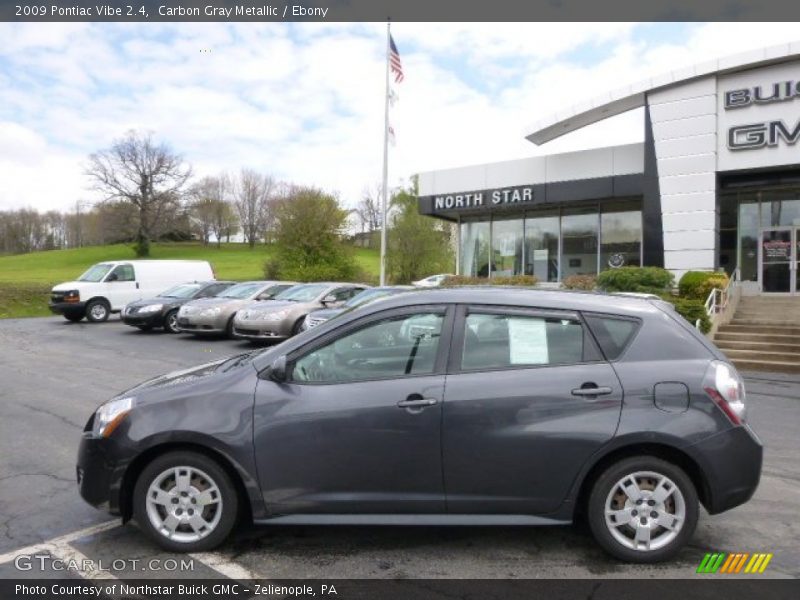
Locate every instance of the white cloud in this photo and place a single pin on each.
(305, 102)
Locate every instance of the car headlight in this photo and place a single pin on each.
(110, 415)
(210, 312)
(151, 308)
(278, 315)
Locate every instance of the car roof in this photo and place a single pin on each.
(525, 297)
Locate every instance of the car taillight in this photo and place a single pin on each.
(725, 387)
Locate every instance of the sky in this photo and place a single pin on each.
(304, 102)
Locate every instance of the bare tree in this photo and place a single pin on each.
(205, 194)
(369, 209)
(137, 170)
(252, 193)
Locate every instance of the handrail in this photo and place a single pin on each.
(718, 299)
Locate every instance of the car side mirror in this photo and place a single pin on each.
(277, 370)
(113, 277)
(329, 299)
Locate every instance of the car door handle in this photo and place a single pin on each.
(417, 402)
(591, 391)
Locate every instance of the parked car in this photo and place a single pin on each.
(351, 422)
(214, 316)
(282, 317)
(320, 316)
(107, 287)
(162, 311)
(432, 281)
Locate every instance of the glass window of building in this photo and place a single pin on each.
(620, 237)
(579, 242)
(541, 246)
(475, 248)
(507, 237)
(748, 237)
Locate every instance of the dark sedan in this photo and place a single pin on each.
(444, 407)
(162, 311)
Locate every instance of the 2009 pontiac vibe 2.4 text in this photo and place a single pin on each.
(445, 406)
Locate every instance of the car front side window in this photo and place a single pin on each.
(398, 346)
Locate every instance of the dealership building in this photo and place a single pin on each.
(715, 185)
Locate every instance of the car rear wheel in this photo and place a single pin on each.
(97, 311)
(643, 509)
(185, 502)
(171, 322)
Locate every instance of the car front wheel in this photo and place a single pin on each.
(185, 502)
(97, 311)
(171, 322)
(643, 509)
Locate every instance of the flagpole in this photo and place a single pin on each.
(384, 194)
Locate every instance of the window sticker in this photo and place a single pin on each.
(528, 341)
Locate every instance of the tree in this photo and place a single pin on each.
(147, 175)
(253, 193)
(417, 246)
(369, 209)
(308, 231)
(205, 195)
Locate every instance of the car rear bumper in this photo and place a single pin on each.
(62, 308)
(731, 462)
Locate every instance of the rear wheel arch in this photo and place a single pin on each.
(663, 451)
(138, 465)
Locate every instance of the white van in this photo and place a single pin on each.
(107, 287)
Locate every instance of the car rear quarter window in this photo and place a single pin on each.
(614, 334)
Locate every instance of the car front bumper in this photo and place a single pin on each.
(262, 330)
(100, 473)
(155, 319)
(203, 325)
(62, 308)
(731, 462)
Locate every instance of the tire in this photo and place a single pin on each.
(171, 322)
(296, 327)
(173, 530)
(74, 317)
(229, 328)
(651, 535)
(97, 311)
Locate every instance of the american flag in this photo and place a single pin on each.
(394, 61)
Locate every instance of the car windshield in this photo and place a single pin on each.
(366, 296)
(185, 290)
(96, 273)
(302, 293)
(241, 291)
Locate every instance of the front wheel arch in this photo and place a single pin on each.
(136, 467)
(663, 451)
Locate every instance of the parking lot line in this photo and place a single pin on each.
(224, 565)
(60, 541)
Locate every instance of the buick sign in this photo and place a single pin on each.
(777, 92)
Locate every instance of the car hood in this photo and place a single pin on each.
(157, 300)
(70, 285)
(326, 313)
(209, 302)
(269, 305)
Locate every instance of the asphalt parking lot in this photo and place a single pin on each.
(55, 373)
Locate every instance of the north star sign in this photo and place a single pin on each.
(498, 197)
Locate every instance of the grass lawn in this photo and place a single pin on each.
(26, 279)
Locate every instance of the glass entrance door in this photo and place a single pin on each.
(778, 250)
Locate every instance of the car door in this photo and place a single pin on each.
(528, 400)
(122, 287)
(356, 427)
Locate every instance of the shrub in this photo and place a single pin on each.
(691, 309)
(580, 282)
(654, 280)
(520, 280)
(698, 284)
(272, 269)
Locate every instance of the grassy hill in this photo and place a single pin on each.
(26, 279)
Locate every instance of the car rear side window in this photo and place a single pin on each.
(493, 341)
(612, 333)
